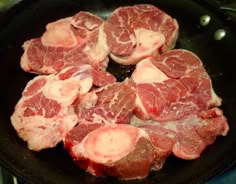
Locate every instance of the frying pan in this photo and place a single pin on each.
(28, 20)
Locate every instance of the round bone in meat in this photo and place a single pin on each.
(115, 150)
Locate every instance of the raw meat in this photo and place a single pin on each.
(118, 149)
(135, 32)
(71, 41)
(171, 86)
(186, 138)
(111, 150)
(44, 114)
(121, 129)
(112, 104)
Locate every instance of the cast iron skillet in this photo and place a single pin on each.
(28, 20)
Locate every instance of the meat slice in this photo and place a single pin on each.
(111, 150)
(139, 31)
(44, 114)
(186, 138)
(113, 104)
(71, 41)
(172, 85)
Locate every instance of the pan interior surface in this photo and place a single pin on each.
(28, 19)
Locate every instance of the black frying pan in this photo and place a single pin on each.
(28, 20)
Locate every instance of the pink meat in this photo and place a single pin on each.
(111, 150)
(120, 129)
(113, 103)
(44, 114)
(71, 41)
(99, 78)
(139, 31)
(171, 86)
(186, 138)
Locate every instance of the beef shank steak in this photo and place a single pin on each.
(111, 150)
(112, 104)
(71, 41)
(135, 32)
(187, 137)
(44, 114)
(172, 85)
